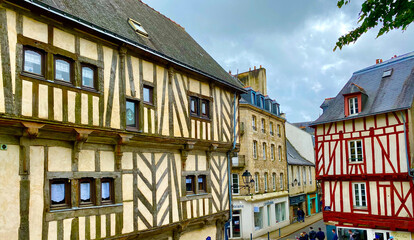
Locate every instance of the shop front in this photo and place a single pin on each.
(298, 201)
(368, 234)
(313, 203)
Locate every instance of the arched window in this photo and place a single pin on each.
(281, 181)
(264, 151)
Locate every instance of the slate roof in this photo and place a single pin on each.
(294, 158)
(165, 37)
(386, 94)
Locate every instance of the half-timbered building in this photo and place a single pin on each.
(364, 152)
(114, 124)
(263, 206)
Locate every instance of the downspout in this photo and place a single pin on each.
(227, 225)
(406, 147)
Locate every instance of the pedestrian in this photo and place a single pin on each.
(306, 236)
(312, 234)
(320, 235)
(335, 236)
(299, 215)
(302, 236)
(303, 215)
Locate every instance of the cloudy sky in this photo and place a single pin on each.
(293, 40)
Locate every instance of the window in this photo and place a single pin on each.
(262, 101)
(60, 193)
(107, 191)
(281, 181)
(194, 106)
(263, 125)
(189, 184)
(88, 76)
(235, 183)
(86, 191)
(280, 209)
(355, 151)
(268, 215)
(202, 183)
(199, 107)
(256, 182)
(387, 73)
(254, 149)
(265, 182)
(254, 122)
(278, 131)
(132, 114)
(272, 152)
(274, 181)
(353, 105)
(359, 195)
(298, 175)
(279, 150)
(254, 98)
(205, 104)
(310, 175)
(264, 151)
(148, 94)
(137, 27)
(258, 218)
(271, 129)
(63, 69)
(33, 61)
(304, 175)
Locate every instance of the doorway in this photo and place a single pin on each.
(236, 224)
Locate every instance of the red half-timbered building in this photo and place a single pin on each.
(364, 152)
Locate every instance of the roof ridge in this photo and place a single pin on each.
(162, 15)
(388, 62)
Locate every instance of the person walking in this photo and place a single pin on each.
(335, 236)
(312, 234)
(320, 235)
(299, 215)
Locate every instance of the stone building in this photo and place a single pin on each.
(301, 166)
(114, 124)
(263, 154)
(365, 151)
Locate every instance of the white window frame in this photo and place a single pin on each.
(263, 125)
(254, 123)
(354, 158)
(310, 175)
(274, 181)
(256, 182)
(266, 178)
(281, 180)
(278, 130)
(353, 105)
(254, 149)
(271, 128)
(232, 184)
(279, 149)
(359, 189)
(264, 145)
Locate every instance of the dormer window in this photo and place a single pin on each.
(353, 105)
(137, 27)
(387, 73)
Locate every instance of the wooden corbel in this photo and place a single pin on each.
(81, 137)
(32, 129)
(184, 156)
(124, 138)
(170, 74)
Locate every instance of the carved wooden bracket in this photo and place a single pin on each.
(32, 129)
(213, 147)
(122, 51)
(124, 138)
(82, 134)
(170, 74)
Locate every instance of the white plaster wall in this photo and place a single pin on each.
(301, 140)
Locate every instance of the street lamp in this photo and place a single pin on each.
(247, 180)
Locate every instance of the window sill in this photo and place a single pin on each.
(200, 118)
(356, 163)
(149, 104)
(359, 208)
(60, 214)
(196, 196)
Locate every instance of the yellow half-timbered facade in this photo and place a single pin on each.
(114, 124)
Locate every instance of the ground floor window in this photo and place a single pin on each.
(360, 234)
(236, 224)
(280, 209)
(258, 218)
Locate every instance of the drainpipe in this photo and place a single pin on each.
(227, 225)
(406, 147)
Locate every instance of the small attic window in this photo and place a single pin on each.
(387, 73)
(137, 27)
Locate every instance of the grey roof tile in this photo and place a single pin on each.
(294, 158)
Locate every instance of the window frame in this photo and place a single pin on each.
(263, 125)
(264, 146)
(271, 127)
(359, 184)
(204, 184)
(71, 70)
(207, 114)
(68, 190)
(281, 181)
(111, 199)
(272, 152)
(356, 159)
(193, 186)
(266, 178)
(196, 110)
(137, 118)
(199, 101)
(304, 175)
(351, 105)
(278, 130)
(233, 184)
(42, 64)
(274, 181)
(95, 76)
(256, 183)
(92, 192)
(254, 149)
(151, 94)
(254, 123)
(279, 149)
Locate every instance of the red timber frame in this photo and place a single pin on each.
(333, 139)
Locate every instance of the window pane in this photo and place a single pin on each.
(62, 70)
(85, 192)
(57, 193)
(87, 77)
(356, 105)
(204, 108)
(201, 183)
(130, 114)
(32, 62)
(194, 105)
(147, 94)
(235, 182)
(106, 190)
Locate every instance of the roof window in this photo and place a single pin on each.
(137, 27)
(387, 73)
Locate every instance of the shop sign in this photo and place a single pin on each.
(268, 203)
(238, 205)
(297, 199)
